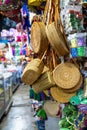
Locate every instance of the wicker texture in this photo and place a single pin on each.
(85, 88)
(51, 108)
(56, 40)
(32, 71)
(66, 75)
(59, 95)
(45, 69)
(44, 82)
(38, 37)
(77, 87)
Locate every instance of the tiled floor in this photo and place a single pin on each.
(20, 115)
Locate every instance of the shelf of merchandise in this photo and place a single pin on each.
(5, 94)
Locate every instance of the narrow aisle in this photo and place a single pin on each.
(20, 115)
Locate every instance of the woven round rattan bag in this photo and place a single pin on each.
(52, 108)
(66, 75)
(59, 95)
(77, 87)
(32, 71)
(39, 39)
(44, 82)
(56, 39)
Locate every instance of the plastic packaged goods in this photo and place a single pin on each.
(71, 17)
(81, 51)
(74, 52)
(77, 43)
(81, 38)
(64, 3)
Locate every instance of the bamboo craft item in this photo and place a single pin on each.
(44, 82)
(45, 69)
(32, 71)
(56, 39)
(85, 88)
(59, 95)
(66, 75)
(39, 39)
(52, 108)
(55, 36)
(77, 87)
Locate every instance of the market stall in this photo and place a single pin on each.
(59, 41)
(5, 92)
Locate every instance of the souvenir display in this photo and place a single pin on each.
(77, 44)
(53, 47)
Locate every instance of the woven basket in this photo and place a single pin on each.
(44, 82)
(45, 69)
(56, 39)
(52, 108)
(66, 75)
(85, 88)
(32, 71)
(77, 87)
(59, 95)
(39, 39)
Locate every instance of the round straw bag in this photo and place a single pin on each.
(66, 75)
(52, 108)
(85, 87)
(32, 71)
(77, 87)
(56, 39)
(39, 39)
(59, 95)
(44, 82)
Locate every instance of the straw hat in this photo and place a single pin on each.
(59, 95)
(77, 87)
(51, 108)
(66, 75)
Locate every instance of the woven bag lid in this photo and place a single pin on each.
(66, 75)
(77, 87)
(59, 95)
(52, 108)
